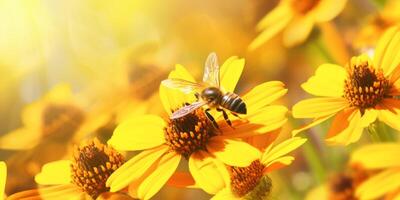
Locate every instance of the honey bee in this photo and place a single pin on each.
(208, 93)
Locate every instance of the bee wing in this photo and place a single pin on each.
(187, 109)
(183, 85)
(211, 70)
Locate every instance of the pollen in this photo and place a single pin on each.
(366, 85)
(304, 6)
(189, 133)
(93, 163)
(60, 121)
(250, 181)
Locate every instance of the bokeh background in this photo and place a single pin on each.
(113, 54)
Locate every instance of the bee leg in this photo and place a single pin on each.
(225, 116)
(236, 115)
(197, 95)
(210, 117)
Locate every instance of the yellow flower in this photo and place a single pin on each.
(384, 157)
(296, 19)
(193, 136)
(252, 182)
(341, 186)
(55, 116)
(356, 95)
(369, 34)
(85, 175)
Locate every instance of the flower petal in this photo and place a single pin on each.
(275, 15)
(377, 156)
(326, 10)
(22, 138)
(134, 168)
(58, 192)
(225, 194)
(142, 132)
(320, 192)
(3, 178)
(324, 84)
(380, 184)
(348, 126)
(315, 122)
(387, 55)
(174, 98)
(298, 30)
(263, 95)
(157, 179)
(272, 154)
(271, 31)
(265, 120)
(55, 173)
(231, 152)
(181, 179)
(209, 173)
(231, 71)
(318, 107)
(389, 112)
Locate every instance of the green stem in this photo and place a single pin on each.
(314, 161)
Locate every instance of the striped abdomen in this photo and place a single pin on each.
(234, 103)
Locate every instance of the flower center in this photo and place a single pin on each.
(61, 120)
(250, 181)
(343, 185)
(189, 133)
(304, 6)
(93, 163)
(365, 86)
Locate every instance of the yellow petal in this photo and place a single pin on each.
(55, 173)
(318, 107)
(377, 156)
(320, 192)
(32, 115)
(171, 98)
(326, 10)
(390, 118)
(379, 184)
(60, 93)
(315, 122)
(272, 154)
(142, 132)
(209, 173)
(271, 31)
(233, 153)
(298, 30)
(59, 192)
(323, 83)
(263, 95)
(348, 126)
(231, 71)
(225, 194)
(265, 120)
(134, 168)
(157, 179)
(22, 138)
(275, 15)
(3, 178)
(387, 55)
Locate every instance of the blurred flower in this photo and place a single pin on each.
(252, 182)
(369, 34)
(385, 157)
(55, 116)
(356, 95)
(296, 19)
(87, 173)
(193, 136)
(341, 186)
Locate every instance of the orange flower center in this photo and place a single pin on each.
(304, 6)
(61, 120)
(365, 86)
(189, 133)
(250, 181)
(93, 163)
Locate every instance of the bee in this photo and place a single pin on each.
(208, 93)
